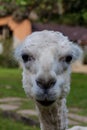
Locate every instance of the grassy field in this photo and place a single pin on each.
(8, 124)
(10, 83)
(11, 86)
(78, 93)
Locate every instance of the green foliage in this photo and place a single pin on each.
(7, 7)
(85, 59)
(84, 16)
(69, 19)
(6, 58)
(74, 5)
(47, 10)
(26, 2)
(77, 7)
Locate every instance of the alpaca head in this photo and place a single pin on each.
(46, 57)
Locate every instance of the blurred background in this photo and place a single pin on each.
(18, 19)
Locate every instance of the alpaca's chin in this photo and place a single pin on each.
(45, 102)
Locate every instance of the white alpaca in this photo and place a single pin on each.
(46, 57)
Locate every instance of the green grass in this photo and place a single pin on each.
(10, 83)
(11, 86)
(28, 104)
(78, 93)
(9, 124)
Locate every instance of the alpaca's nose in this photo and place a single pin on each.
(46, 84)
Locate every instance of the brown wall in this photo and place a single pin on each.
(20, 30)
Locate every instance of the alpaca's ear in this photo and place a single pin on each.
(18, 52)
(76, 52)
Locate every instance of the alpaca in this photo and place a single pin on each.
(46, 58)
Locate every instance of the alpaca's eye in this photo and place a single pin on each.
(68, 58)
(27, 58)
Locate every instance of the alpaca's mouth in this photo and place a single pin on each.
(46, 102)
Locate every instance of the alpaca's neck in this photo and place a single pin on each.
(53, 118)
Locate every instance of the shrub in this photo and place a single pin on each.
(7, 58)
(85, 59)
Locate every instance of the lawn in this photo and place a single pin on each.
(11, 86)
(78, 93)
(10, 83)
(9, 124)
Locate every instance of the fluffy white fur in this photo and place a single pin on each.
(78, 128)
(43, 56)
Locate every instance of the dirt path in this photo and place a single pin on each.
(77, 67)
(78, 118)
(5, 104)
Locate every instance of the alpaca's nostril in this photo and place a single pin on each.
(46, 84)
(52, 82)
(40, 83)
